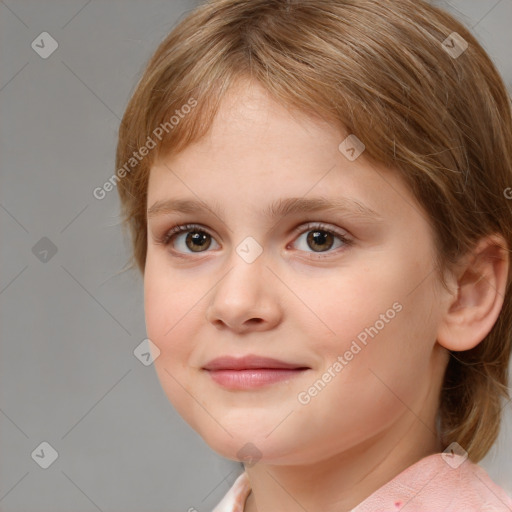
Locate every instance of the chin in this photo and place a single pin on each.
(250, 446)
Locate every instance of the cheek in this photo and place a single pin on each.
(378, 318)
(170, 319)
(172, 313)
(355, 307)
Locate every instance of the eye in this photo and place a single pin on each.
(196, 238)
(320, 238)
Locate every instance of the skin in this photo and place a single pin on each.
(374, 418)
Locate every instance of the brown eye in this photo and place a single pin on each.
(197, 240)
(323, 240)
(318, 238)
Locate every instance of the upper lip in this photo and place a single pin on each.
(248, 362)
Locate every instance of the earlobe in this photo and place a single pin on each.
(473, 309)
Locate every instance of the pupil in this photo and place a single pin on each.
(198, 239)
(315, 238)
(319, 238)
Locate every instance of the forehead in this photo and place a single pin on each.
(258, 151)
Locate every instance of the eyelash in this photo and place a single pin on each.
(312, 226)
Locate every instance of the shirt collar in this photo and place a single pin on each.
(440, 482)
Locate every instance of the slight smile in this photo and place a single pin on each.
(251, 371)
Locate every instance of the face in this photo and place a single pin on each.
(347, 299)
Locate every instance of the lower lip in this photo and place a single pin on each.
(254, 378)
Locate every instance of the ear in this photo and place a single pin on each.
(479, 283)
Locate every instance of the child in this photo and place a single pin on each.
(370, 374)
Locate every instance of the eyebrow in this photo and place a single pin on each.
(279, 208)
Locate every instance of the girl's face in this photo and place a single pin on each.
(348, 296)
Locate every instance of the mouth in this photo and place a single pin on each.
(251, 371)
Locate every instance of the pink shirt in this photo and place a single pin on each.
(436, 483)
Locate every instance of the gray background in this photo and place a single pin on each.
(69, 325)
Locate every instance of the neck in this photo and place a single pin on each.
(341, 482)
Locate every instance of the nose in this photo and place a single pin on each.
(245, 298)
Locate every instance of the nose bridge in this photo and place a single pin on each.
(246, 275)
(244, 292)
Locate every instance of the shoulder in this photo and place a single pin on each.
(234, 499)
(441, 482)
(482, 493)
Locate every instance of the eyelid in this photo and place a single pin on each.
(343, 235)
(181, 228)
(303, 228)
(310, 225)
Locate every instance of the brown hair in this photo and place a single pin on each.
(381, 70)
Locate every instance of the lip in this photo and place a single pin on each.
(251, 371)
(250, 362)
